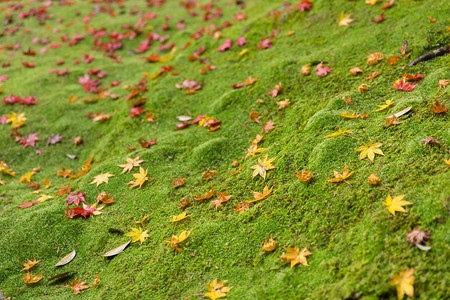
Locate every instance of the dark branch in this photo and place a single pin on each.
(430, 55)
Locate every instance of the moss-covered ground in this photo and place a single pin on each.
(356, 245)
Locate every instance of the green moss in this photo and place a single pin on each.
(356, 245)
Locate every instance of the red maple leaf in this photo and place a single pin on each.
(322, 70)
(28, 204)
(225, 46)
(404, 86)
(265, 44)
(136, 111)
(379, 19)
(30, 140)
(75, 198)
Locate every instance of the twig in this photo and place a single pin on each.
(430, 55)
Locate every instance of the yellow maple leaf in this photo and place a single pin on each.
(131, 163)
(5, 169)
(373, 179)
(262, 167)
(29, 264)
(140, 178)
(339, 132)
(30, 278)
(27, 177)
(283, 104)
(175, 240)
(101, 178)
(253, 150)
(384, 106)
(217, 290)
(141, 220)
(371, 2)
(137, 234)
(294, 256)
(304, 176)
(261, 196)
(404, 282)
(396, 204)
(344, 19)
(180, 217)
(340, 177)
(269, 245)
(369, 150)
(43, 198)
(16, 120)
(353, 115)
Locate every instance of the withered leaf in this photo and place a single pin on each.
(66, 259)
(117, 250)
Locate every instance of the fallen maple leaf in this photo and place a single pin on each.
(339, 132)
(137, 234)
(373, 179)
(275, 91)
(175, 240)
(379, 19)
(180, 217)
(208, 195)
(221, 198)
(77, 286)
(392, 121)
(443, 83)
(29, 264)
(283, 104)
(269, 245)
(294, 256)
(374, 58)
(5, 169)
(417, 236)
(404, 282)
(30, 278)
(344, 19)
(356, 71)
(105, 198)
(304, 176)
(322, 70)
(253, 150)
(241, 207)
(75, 198)
(255, 116)
(261, 196)
(178, 182)
(131, 163)
(306, 70)
(438, 108)
(209, 174)
(369, 150)
(363, 88)
(102, 178)
(268, 126)
(216, 289)
(263, 166)
(396, 204)
(430, 140)
(140, 178)
(384, 106)
(402, 85)
(184, 202)
(388, 4)
(341, 177)
(16, 120)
